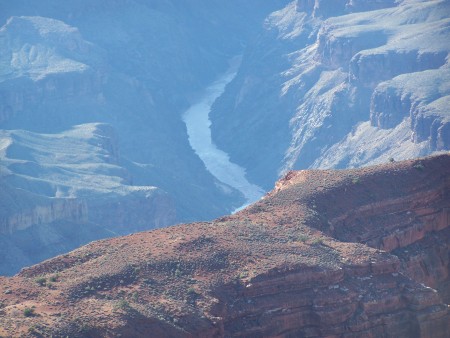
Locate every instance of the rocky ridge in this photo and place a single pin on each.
(346, 253)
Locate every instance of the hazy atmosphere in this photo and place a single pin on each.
(123, 116)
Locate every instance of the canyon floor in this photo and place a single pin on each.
(327, 253)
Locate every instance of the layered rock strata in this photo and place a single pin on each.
(62, 190)
(337, 84)
(315, 258)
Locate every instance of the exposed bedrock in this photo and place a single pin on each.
(143, 209)
(62, 190)
(51, 226)
(324, 8)
(73, 209)
(421, 96)
(415, 226)
(361, 83)
(336, 50)
(371, 300)
(369, 69)
(21, 97)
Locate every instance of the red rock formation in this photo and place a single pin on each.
(354, 253)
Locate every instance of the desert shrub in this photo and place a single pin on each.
(302, 238)
(135, 296)
(178, 273)
(191, 292)
(41, 281)
(243, 274)
(317, 241)
(28, 312)
(53, 279)
(122, 304)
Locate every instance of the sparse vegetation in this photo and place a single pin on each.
(28, 312)
(317, 241)
(53, 279)
(42, 281)
(122, 304)
(178, 273)
(135, 296)
(84, 328)
(355, 180)
(238, 257)
(191, 295)
(303, 238)
(32, 330)
(243, 274)
(191, 292)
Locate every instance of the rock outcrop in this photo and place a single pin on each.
(59, 209)
(348, 253)
(54, 186)
(336, 84)
(395, 100)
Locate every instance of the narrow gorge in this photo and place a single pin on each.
(217, 162)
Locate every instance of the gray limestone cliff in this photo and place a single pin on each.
(59, 191)
(339, 84)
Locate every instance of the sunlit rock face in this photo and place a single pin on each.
(339, 84)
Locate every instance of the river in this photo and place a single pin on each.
(217, 161)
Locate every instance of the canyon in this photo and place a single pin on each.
(92, 141)
(123, 116)
(345, 253)
(216, 161)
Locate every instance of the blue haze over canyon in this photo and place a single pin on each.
(123, 116)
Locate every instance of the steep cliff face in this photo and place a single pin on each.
(59, 209)
(348, 253)
(45, 60)
(423, 97)
(53, 182)
(348, 76)
(413, 223)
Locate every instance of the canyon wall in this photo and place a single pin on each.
(57, 210)
(62, 190)
(339, 84)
